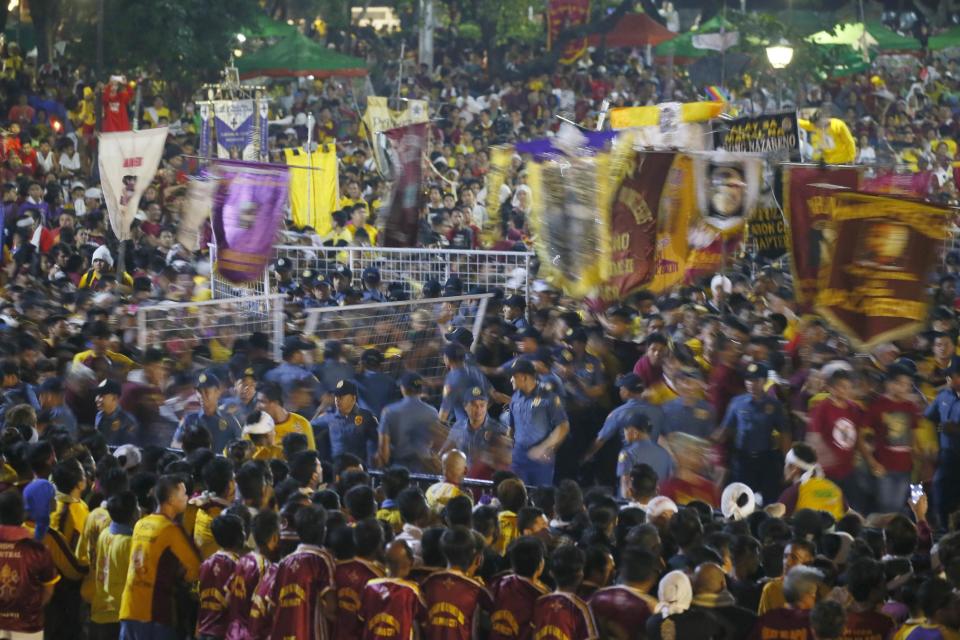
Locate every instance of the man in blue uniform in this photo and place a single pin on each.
(375, 389)
(459, 378)
(514, 308)
(223, 428)
(539, 426)
(690, 413)
(757, 423)
(371, 285)
(115, 424)
(944, 412)
(631, 393)
(291, 369)
(334, 367)
(638, 449)
(479, 435)
(243, 402)
(408, 429)
(50, 394)
(347, 428)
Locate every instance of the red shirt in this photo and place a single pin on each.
(26, 567)
(892, 423)
(351, 576)
(115, 116)
(215, 574)
(513, 600)
(793, 624)
(651, 374)
(621, 610)
(262, 605)
(246, 577)
(389, 608)
(303, 578)
(453, 601)
(868, 625)
(685, 491)
(726, 383)
(563, 616)
(837, 425)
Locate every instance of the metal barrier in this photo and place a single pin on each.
(178, 326)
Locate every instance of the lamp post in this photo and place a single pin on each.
(780, 55)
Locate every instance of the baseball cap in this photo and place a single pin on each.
(51, 385)
(208, 381)
(522, 366)
(453, 286)
(296, 343)
(576, 335)
(282, 265)
(630, 382)
(107, 387)
(342, 270)
(249, 372)
(411, 380)
(529, 332)
(460, 335)
(371, 274)
(637, 420)
(371, 356)
(515, 301)
(475, 393)
(755, 371)
(345, 388)
(431, 289)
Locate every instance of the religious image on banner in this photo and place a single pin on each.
(874, 289)
(670, 125)
(727, 189)
(128, 160)
(563, 15)
(401, 223)
(677, 203)
(234, 128)
(248, 207)
(808, 202)
(379, 117)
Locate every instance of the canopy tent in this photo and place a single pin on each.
(871, 34)
(298, 56)
(945, 40)
(682, 46)
(633, 30)
(266, 27)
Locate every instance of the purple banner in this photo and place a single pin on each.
(248, 207)
(544, 147)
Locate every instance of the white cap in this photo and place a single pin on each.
(103, 253)
(659, 506)
(93, 193)
(261, 427)
(721, 281)
(129, 456)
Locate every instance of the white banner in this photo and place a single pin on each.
(235, 129)
(716, 41)
(128, 162)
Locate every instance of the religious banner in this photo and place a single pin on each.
(890, 183)
(379, 118)
(314, 187)
(671, 125)
(807, 209)
(875, 288)
(402, 221)
(196, 209)
(500, 157)
(677, 204)
(248, 207)
(766, 230)
(543, 147)
(234, 127)
(128, 160)
(776, 132)
(263, 129)
(563, 15)
(638, 186)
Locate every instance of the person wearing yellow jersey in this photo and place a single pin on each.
(512, 496)
(111, 481)
(221, 490)
(100, 336)
(259, 429)
(358, 221)
(830, 138)
(162, 556)
(112, 564)
(102, 266)
(353, 196)
(809, 489)
(270, 401)
(153, 114)
(69, 513)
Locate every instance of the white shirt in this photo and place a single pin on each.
(412, 536)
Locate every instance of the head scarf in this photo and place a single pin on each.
(731, 498)
(37, 498)
(675, 594)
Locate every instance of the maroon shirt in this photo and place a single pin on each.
(726, 383)
(453, 600)
(246, 577)
(563, 616)
(351, 576)
(793, 624)
(303, 578)
(262, 605)
(893, 424)
(513, 600)
(619, 611)
(26, 567)
(868, 625)
(215, 574)
(389, 608)
(837, 425)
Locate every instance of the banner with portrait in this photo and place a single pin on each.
(563, 15)
(380, 118)
(248, 207)
(234, 128)
(677, 203)
(128, 160)
(874, 289)
(405, 161)
(807, 208)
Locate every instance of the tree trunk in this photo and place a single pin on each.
(44, 14)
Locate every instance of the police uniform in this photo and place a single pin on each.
(945, 408)
(409, 424)
(237, 408)
(375, 390)
(286, 375)
(696, 419)
(355, 432)
(617, 419)
(757, 424)
(223, 428)
(455, 386)
(533, 418)
(118, 427)
(475, 442)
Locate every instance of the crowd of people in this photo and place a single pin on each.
(706, 463)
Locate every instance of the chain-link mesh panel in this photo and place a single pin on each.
(408, 334)
(222, 288)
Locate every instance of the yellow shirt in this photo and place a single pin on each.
(295, 423)
(836, 146)
(77, 513)
(110, 573)
(508, 530)
(440, 493)
(772, 597)
(392, 517)
(161, 556)
(370, 229)
(116, 358)
(202, 532)
(96, 522)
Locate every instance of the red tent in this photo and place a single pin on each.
(634, 30)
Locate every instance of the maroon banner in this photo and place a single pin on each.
(875, 288)
(633, 223)
(407, 145)
(807, 204)
(563, 15)
(912, 185)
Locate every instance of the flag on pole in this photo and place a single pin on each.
(128, 161)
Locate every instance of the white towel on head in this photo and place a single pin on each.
(731, 498)
(674, 594)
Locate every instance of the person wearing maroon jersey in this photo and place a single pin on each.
(515, 594)
(833, 433)
(352, 575)
(893, 419)
(792, 621)
(215, 577)
(562, 615)
(453, 597)
(303, 594)
(392, 608)
(623, 608)
(867, 586)
(27, 573)
(262, 605)
(251, 568)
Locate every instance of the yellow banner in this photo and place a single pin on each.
(379, 117)
(314, 190)
(676, 207)
(624, 117)
(497, 175)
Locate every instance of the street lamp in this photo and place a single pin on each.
(780, 55)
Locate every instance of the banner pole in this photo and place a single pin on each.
(310, 122)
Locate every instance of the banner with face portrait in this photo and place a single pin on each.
(407, 146)
(128, 160)
(874, 289)
(235, 129)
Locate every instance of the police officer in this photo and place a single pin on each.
(375, 389)
(756, 422)
(459, 378)
(346, 428)
(291, 369)
(371, 286)
(50, 393)
(539, 426)
(317, 290)
(514, 308)
(334, 367)
(284, 269)
(542, 360)
(341, 277)
(944, 412)
(223, 428)
(115, 424)
(408, 428)
(631, 393)
(478, 434)
(243, 402)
